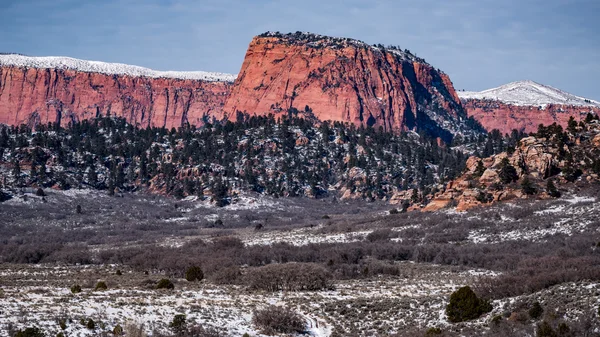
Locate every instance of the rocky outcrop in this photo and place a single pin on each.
(538, 159)
(33, 95)
(507, 117)
(347, 81)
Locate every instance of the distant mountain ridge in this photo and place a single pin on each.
(61, 62)
(524, 105)
(528, 93)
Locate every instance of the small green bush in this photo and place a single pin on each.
(76, 289)
(496, 319)
(194, 273)
(545, 330)
(394, 211)
(536, 311)
(101, 286)
(165, 284)
(30, 332)
(62, 323)
(40, 192)
(433, 332)
(465, 305)
(90, 324)
(179, 324)
(118, 273)
(118, 330)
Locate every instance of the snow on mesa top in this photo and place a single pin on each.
(59, 62)
(528, 93)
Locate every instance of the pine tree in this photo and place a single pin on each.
(552, 190)
(16, 172)
(527, 186)
(508, 173)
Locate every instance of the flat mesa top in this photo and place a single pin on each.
(528, 93)
(60, 62)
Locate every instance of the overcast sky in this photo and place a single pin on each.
(479, 43)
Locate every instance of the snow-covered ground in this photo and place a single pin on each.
(40, 296)
(60, 62)
(528, 93)
(570, 215)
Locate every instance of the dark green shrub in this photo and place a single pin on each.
(165, 284)
(552, 190)
(101, 286)
(496, 319)
(118, 273)
(62, 323)
(78, 209)
(433, 332)
(194, 273)
(273, 319)
(394, 211)
(179, 324)
(536, 311)
(527, 186)
(563, 329)
(545, 330)
(30, 332)
(118, 330)
(90, 324)
(465, 305)
(40, 192)
(76, 289)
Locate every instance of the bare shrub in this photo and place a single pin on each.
(379, 235)
(273, 319)
(135, 330)
(289, 276)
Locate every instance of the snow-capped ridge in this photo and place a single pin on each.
(528, 93)
(60, 62)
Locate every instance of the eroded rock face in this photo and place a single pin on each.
(347, 81)
(37, 95)
(539, 159)
(507, 117)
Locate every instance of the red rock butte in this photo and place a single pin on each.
(342, 80)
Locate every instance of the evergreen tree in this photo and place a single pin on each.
(508, 173)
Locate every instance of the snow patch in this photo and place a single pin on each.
(528, 93)
(60, 62)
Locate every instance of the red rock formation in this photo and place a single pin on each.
(343, 80)
(35, 95)
(507, 117)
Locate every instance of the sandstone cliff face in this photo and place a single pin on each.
(344, 80)
(507, 117)
(38, 95)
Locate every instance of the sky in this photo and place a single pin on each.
(480, 43)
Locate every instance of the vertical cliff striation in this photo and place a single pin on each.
(33, 92)
(345, 80)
